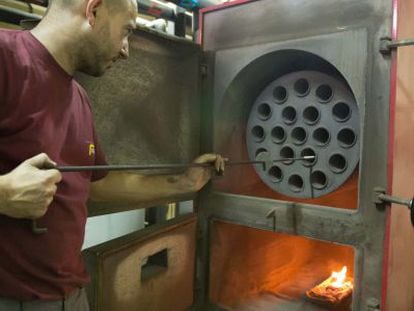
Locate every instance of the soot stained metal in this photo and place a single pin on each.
(305, 113)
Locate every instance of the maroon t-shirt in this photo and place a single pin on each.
(43, 109)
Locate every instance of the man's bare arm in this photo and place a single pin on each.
(124, 187)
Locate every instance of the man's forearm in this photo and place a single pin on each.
(134, 188)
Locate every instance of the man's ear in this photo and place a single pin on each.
(92, 7)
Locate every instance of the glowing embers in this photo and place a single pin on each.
(334, 290)
(253, 269)
(305, 113)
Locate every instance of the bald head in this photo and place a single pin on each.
(94, 33)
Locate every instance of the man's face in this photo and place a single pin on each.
(109, 41)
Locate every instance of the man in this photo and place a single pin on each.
(45, 115)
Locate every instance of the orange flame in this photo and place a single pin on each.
(333, 290)
(338, 279)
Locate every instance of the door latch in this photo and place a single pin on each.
(382, 198)
(387, 44)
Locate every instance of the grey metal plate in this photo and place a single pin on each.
(278, 20)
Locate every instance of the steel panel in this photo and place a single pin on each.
(344, 33)
(117, 268)
(262, 21)
(242, 73)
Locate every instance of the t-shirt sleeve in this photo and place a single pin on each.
(100, 159)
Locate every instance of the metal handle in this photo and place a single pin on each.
(383, 198)
(387, 45)
(396, 200)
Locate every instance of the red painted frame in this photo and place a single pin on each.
(390, 162)
(216, 8)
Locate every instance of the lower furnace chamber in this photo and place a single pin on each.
(249, 273)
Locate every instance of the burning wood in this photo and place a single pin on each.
(332, 291)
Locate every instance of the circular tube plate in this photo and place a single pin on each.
(300, 114)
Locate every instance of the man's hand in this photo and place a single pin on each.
(27, 191)
(199, 176)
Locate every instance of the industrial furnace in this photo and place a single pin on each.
(269, 80)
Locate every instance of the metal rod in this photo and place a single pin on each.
(399, 43)
(387, 45)
(395, 200)
(68, 169)
(399, 201)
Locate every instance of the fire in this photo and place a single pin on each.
(338, 279)
(337, 288)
